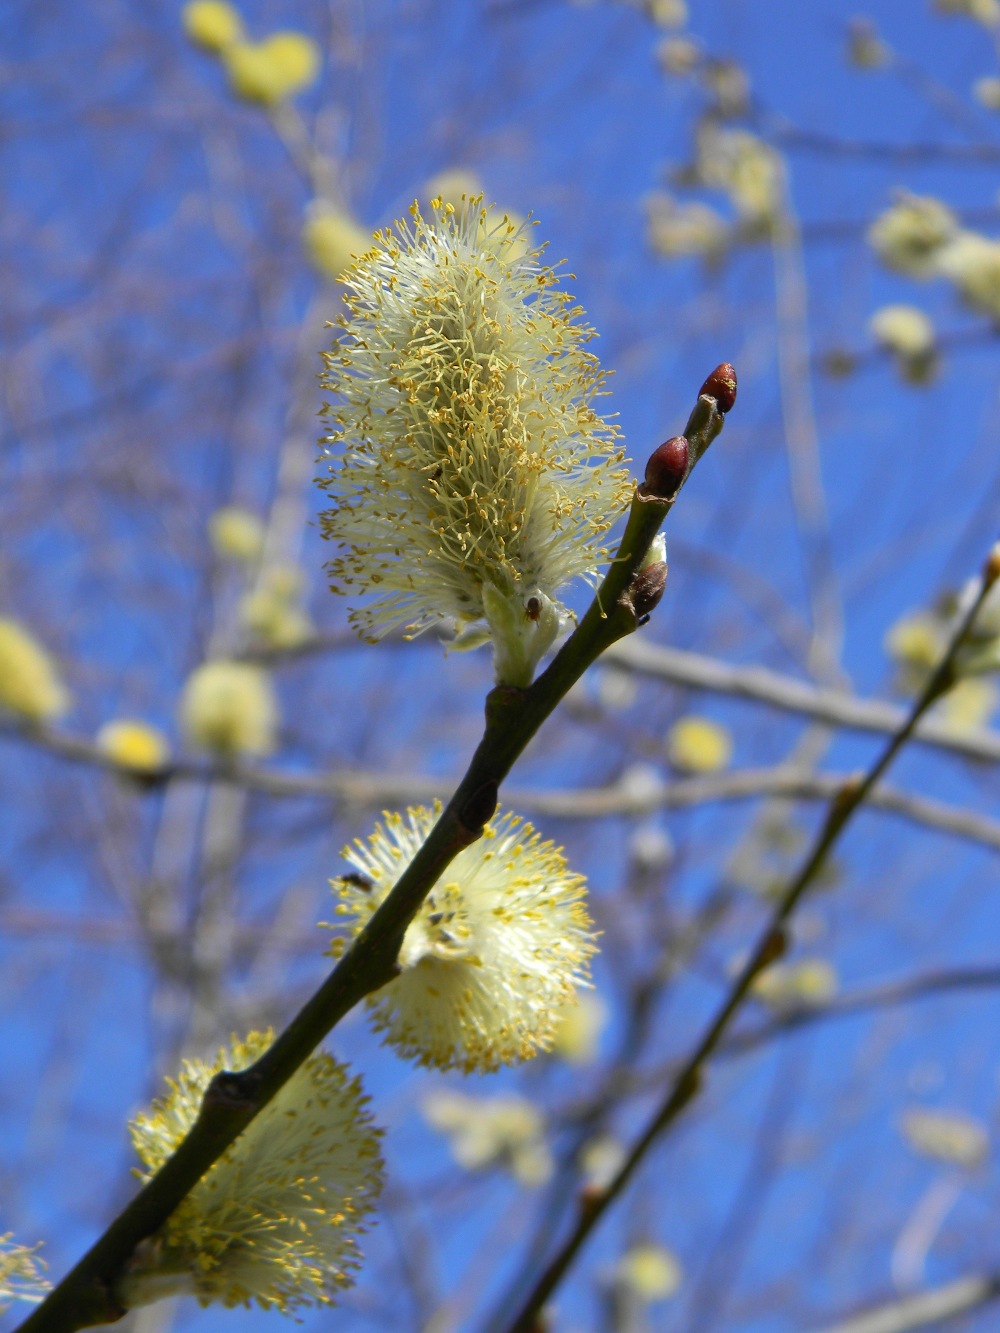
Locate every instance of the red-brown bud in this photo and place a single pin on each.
(647, 588)
(721, 385)
(667, 468)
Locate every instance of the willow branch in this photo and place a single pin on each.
(355, 787)
(865, 1000)
(955, 154)
(802, 449)
(86, 1296)
(623, 1082)
(771, 943)
(929, 1308)
(788, 695)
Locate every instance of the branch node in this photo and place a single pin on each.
(232, 1092)
(688, 1087)
(774, 948)
(477, 809)
(500, 699)
(843, 801)
(991, 568)
(590, 1198)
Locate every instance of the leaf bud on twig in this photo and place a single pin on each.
(721, 385)
(667, 468)
(647, 589)
(991, 567)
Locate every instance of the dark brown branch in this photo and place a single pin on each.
(355, 787)
(686, 1085)
(86, 1296)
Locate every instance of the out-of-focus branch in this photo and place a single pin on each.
(622, 1082)
(761, 685)
(958, 154)
(876, 357)
(354, 787)
(698, 671)
(936, 1307)
(317, 169)
(87, 1295)
(802, 446)
(866, 1000)
(684, 1088)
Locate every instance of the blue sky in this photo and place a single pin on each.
(155, 293)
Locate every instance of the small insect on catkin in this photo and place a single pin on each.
(499, 946)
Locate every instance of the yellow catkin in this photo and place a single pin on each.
(134, 745)
(800, 984)
(907, 332)
(332, 240)
(274, 70)
(668, 13)
(212, 24)
(986, 91)
(948, 1136)
(21, 1277)
(498, 947)
(236, 534)
(30, 686)
(580, 1024)
(698, 745)
(971, 263)
(272, 611)
(650, 1271)
(916, 641)
(230, 709)
(470, 475)
(507, 1131)
(909, 235)
(274, 1222)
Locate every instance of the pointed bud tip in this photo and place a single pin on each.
(991, 569)
(721, 385)
(667, 468)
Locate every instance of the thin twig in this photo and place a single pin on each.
(937, 1307)
(761, 685)
(686, 1085)
(868, 999)
(956, 154)
(355, 788)
(802, 446)
(87, 1296)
